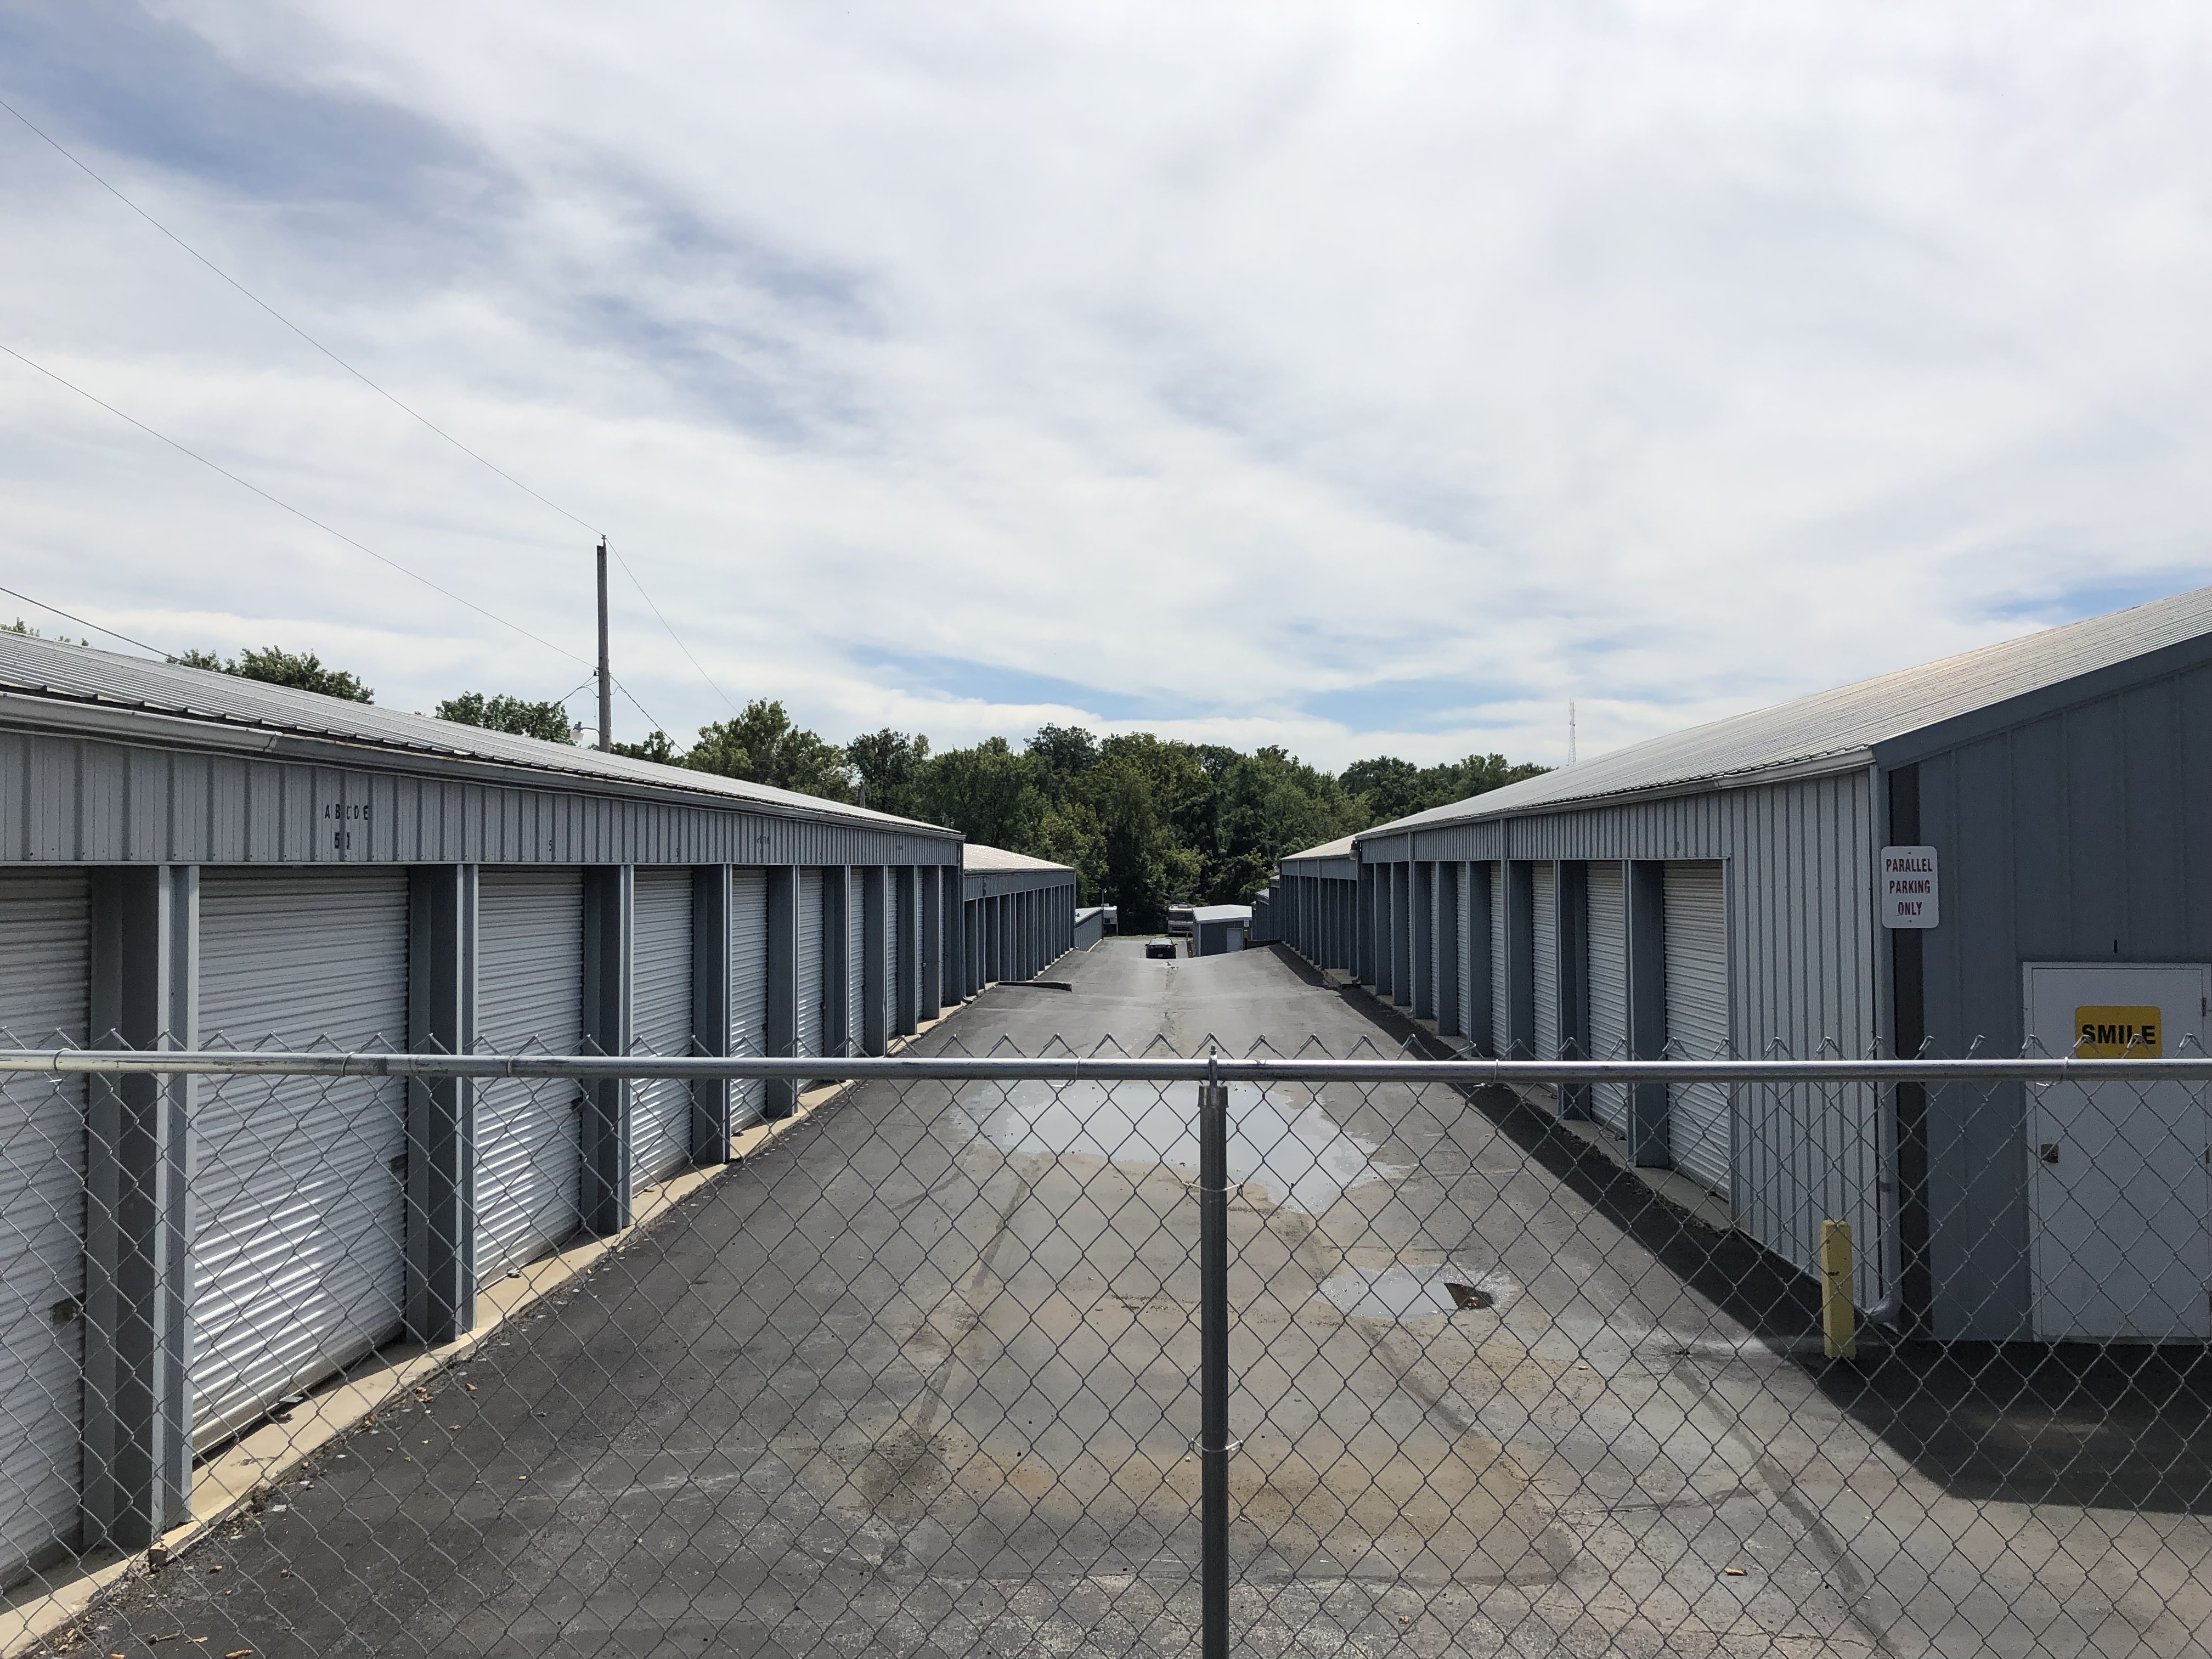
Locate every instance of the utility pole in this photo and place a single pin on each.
(606, 679)
(1570, 720)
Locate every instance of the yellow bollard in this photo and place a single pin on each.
(1839, 1315)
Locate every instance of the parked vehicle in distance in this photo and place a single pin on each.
(1179, 920)
(1156, 948)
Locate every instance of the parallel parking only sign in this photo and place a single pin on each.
(1909, 894)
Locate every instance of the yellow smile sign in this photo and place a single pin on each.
(2117, 1034)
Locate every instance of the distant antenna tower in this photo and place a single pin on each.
(1570, 734)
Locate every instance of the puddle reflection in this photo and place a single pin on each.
(1304, 1161)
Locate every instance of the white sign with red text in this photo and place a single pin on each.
(1909, 894)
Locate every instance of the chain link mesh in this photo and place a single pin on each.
(917, 1373)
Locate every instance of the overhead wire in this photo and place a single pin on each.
(68, 155)
(297, 512)
(40, 604)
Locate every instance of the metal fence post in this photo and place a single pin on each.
(1213, 1358)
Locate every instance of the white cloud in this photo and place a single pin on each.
(1211, 369)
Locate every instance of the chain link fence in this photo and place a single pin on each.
(1119, 1354)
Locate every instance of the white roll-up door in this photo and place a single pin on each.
(748, 984)
(1436, 941)
(1698, 1018)
(530, 999)
(660, 1022)
(1469, 875)
(1501, 1005)
(297, 1184)
(894, 883)
(45, 975)
(810, 962)
(1544, 977)
(856, 963)
(1608, 988)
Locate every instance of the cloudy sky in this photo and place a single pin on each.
(1362, 378)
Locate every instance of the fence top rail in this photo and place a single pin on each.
(246, 1062)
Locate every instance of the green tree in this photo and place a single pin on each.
(987, 793)
(545, 720)
(303, 670)
(1270, 803)
(1386, 788)
(1390, 788)
(888, 765)
(763, 746)
(658, 747)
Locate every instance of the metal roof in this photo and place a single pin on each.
(1339, 848)
(81, 675)
(1221, 912)
(1841, 726)
(974, 856)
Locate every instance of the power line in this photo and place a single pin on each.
(62, 150)
(672, 634)
(307, 518)
(57, 610)
(404, 408)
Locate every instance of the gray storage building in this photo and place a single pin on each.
(190, 859)
(2044, 807)
(1020, 915)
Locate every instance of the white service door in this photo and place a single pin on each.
(45, 967)
(530, 999)
(660, 1021)
(1608, 988)
(2120, 1192)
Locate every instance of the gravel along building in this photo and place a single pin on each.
(1999, 852)
(191, 859)
(1020, 915)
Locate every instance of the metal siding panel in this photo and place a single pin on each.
(1608, 986)
(530, 997)
(660, 1021)
(748, 983)
(295, 1189)
(1544, 979)
(45, 974)
(1698, 1120)
(811, 941)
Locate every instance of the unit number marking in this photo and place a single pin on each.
(338, 814)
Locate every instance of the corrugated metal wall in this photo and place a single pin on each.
(71, 799)
(2077, 836)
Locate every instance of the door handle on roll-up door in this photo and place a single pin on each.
(2048, 1151)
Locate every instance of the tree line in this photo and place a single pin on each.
(1144, 821)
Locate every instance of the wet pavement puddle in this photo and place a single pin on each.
(1303, 1160)
(1405, 1291)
